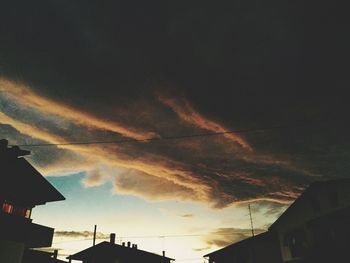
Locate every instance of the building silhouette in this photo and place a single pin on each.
(36, 256)
(314, 229)
(22, 188)
(109, 252)
(257, 249)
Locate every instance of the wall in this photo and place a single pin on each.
(263, 250)
(11, 252)
(305, 210)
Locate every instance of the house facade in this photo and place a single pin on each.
(315, 228)
(22, 188)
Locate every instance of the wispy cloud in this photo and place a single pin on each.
(22, 94)
(187, 215)
(186, 113)
(177, 213)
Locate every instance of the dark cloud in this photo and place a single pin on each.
(201, 249)
(233, 46)
(187, 215)
(275, 209)
(86, 70)
(80, 234)
(267, 208)
(222, 237)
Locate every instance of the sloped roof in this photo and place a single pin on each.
(263, 237)
(106, 250)
(22, 183)
(315, 187)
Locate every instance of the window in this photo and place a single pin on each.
(7, 208)
(28, 213)
(16, 210)
(296, 241)
(19, 211)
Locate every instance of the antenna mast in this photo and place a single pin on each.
(251, 219)
(94, 242)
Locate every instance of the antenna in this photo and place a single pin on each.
(94, 241)
(251, 219)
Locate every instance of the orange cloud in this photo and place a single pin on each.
(152, 187)
(202, 170)
(158, 174)
(23, 94)
(30, 130)
(153, 177)
(186, 112)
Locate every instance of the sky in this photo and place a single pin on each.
(272, 72)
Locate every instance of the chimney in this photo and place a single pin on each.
(163, 253)
(55, 253)
(135, 246)
(112, 238)
(123, 244)
(129, 243)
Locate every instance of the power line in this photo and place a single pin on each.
(151, 139)
(162, 138)
(162, 236)
(156, 236)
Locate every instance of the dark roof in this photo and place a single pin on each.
(311, 190)
(23, 184)
(106, 250)
(263, 237)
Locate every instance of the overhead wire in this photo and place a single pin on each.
(163, 138)
(157, 236)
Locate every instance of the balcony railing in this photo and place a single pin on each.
(21, 230)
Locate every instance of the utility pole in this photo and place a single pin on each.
(94, 241)
(251, 219)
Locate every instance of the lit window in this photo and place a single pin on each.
(7, 208)
(28, 213)
(16, 210)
